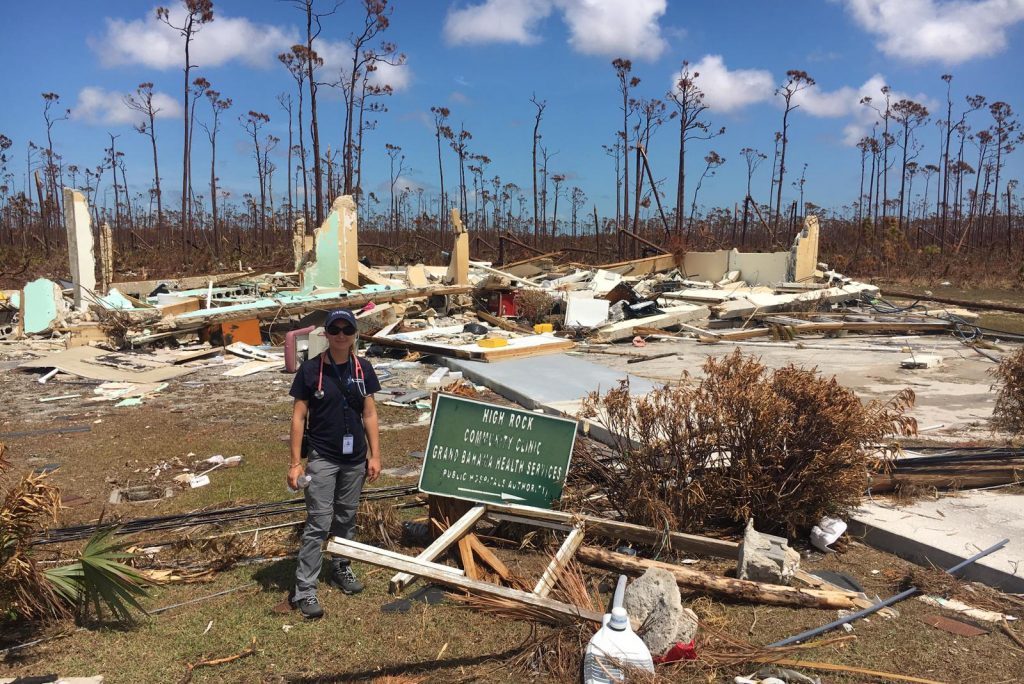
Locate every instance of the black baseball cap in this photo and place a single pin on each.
(344, 315)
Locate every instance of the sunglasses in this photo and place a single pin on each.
(335, 330)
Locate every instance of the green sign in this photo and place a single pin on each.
(493, 454)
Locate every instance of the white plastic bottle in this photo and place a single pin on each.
(615, 645)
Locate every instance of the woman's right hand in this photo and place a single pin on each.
(294, 473)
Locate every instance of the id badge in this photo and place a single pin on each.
(347, 442)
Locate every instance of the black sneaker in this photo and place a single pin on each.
(310, 608)
(343, 578)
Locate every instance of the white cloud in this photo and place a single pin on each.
(615, 28)
(399, 77)
(98, 106)
(496, 21)
(947, 32)
(458, 97)
(152, 43)
(610, 28)
(847, 102)
(337, 56)
(726, 90)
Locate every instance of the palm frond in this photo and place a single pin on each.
(100, 580)
(107, 582)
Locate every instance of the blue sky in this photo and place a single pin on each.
(484, 60)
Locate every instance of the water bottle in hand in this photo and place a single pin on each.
(303, 482)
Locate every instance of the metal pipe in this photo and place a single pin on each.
(803, 636)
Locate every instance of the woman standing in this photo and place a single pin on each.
(335, 412)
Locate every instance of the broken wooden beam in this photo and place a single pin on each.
(450, 536)
(274, 307)
(561, 559)
(741, 590)
(442, 574)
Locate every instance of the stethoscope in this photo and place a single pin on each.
(357, 376)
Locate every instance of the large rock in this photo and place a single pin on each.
(653, 600)
(766, 558)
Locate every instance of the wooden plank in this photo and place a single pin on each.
(468, 561)
(613, 529)
(484, 267)
(849, 669)
(858, 326)
(503, 354)
(674, 315)
(502, 323)
(645, 266)
(442, 574)
(521, 520)
(487, 556)
(455, 532)
(565, 553)
(274, 308)
(745, 590)
(643, 330)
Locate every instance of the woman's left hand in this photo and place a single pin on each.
(372, 468)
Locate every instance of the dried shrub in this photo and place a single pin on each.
(534, 305)
(379, 523)
(786, 447)
(1008, 414)
(24, 589)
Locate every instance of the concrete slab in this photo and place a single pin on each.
(944, 532)
(956, 395)
(543, 381)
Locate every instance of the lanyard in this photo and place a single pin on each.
(358, 376)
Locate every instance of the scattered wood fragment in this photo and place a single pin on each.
(829, 667)
(502, 323)
(450, 536)
(1010, 633)
(641, 359)
(488, 557)
(251, 650)
(468, 560)
(744, 590)
(559, 562)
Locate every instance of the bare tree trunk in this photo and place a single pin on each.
(314, 128)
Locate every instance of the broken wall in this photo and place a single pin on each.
(804, 255)
(760, 268)
(81, 256)
(706, 265)
(336, 250)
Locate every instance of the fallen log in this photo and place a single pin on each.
(966, 303)
(740, 590)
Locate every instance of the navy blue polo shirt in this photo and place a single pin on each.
(340, 411)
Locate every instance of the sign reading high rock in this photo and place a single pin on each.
(489, 453)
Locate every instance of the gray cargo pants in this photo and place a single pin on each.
(332, 499)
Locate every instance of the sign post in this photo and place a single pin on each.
(494, 454)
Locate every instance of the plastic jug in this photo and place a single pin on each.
(615, 645)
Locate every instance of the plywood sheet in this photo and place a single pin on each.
(99, 364)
